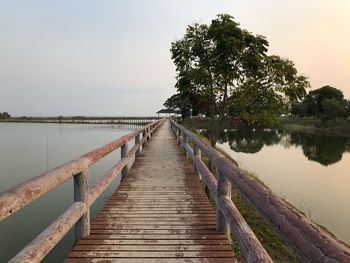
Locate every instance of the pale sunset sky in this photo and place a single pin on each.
(112, 57)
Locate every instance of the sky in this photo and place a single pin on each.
(112, 58)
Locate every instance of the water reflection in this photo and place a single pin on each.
(323, 149)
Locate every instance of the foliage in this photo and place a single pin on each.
(315, 98)
(326, 103)
(5, 115)
(298, 108)
(178, 101)
(224, 70)
(334, 108)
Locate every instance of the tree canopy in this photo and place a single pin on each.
(326, 102)
(224, 70)
(5, 115)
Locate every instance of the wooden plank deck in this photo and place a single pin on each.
(159, 213)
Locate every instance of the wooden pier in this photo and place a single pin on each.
(160, 212)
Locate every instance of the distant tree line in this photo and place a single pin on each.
(5, 115)
(326, 103)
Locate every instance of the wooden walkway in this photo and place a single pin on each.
(159, 213)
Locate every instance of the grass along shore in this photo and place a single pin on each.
(339, 127)
(316, 126)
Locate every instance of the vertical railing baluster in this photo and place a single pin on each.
(143, 136)
(81, 194)
(224, 189)
(123, 154)
(137, 142)
(185, 139)
(197, 153)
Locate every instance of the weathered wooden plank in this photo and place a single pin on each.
(132, 226)
(203, 216)
(36, 250)
(155, 247)
(159, 212)
(249, 244)
(150, 260)
(152, 254)
(223, 190)
(147, 205)
(81, 194)
(102, 185)
(153, 231)
(177, 242)
(157, 221)
(157, 237)
(30, 190)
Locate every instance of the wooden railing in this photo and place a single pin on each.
(78, 214)
(309, 241)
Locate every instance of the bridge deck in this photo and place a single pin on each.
(159, 213)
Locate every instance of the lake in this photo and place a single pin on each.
(312, 172)
(29, 149)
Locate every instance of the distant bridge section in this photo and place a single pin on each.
(84, 119)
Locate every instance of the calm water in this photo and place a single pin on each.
(27, 150)
(312, 172)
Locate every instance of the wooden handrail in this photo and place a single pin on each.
(309, 241)
(24, 193)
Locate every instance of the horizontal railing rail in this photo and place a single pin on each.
(309, 241)
(77, 214)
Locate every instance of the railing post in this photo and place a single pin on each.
(81, 194)
(143, 135)
(197, 153)
(224, 189)
(178, 136)
(137, 141)
(124, 153)
(185, 138)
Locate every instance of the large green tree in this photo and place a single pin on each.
(326, 103)
(224, 70)
(179, 102)
(315, 98)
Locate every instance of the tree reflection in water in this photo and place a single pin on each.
(323, 149)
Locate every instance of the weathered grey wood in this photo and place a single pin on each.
(137, 141)
(144, 138)
(151, 254)
(102, 185)
(30, 190)
(178, 136)
(81, 194)
(149, 260)
(24, 193)
(149, 133)
(185, 142)
(197, 154)
(252, 249)
(187, 149)
(308, 240)
(158, 206)
(36, 250)
(123, 154)
(208, 177)
(223, 190)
